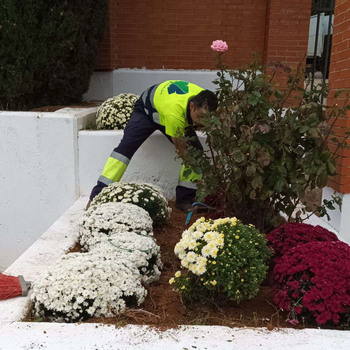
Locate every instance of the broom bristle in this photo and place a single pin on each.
(9, 287)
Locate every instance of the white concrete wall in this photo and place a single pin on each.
(154, 162)
(107, 84)
(38, 174)
(339, 218)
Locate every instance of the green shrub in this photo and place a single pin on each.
(224, 260)
(47, 50)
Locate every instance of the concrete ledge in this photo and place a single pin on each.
(97, 336)
(55, 242)
(154, 162)
(39, 177)
(107, 84)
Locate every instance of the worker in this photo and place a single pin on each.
(173, 107)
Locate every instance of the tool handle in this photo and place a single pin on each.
(25, 285)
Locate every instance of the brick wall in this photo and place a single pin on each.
(159, 34)
(287, 33)
(164, 34)
(339, 78)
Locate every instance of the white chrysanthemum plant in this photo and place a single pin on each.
(115, 112)
(84, 285)
(221, 259)
(146, 196)
(141, 250)
(109, 219)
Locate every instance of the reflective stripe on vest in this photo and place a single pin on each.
(155, 114)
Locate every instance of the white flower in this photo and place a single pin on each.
(191, 257)
(142, 251)
(140, 194)
(101, 284)
(115, 112)
(111, 218)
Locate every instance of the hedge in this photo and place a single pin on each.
(48, 50)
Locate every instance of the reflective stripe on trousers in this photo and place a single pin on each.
(114, 168)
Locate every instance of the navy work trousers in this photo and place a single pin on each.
(138, 129)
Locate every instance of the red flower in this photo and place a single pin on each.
(316, 277)
(293, 234)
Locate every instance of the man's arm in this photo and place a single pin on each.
(180, 146)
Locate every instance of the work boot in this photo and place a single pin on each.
(184, 207)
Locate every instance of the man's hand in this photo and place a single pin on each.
(180, 146)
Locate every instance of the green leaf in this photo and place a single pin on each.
(322, 179)
(331, 167)
(251, 170)
(279, 185)
(197, 170)
(254, 98)
(304, 129)
(238, 155)
(278, 94)
(257, 182)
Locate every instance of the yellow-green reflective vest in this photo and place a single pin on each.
(170, 100)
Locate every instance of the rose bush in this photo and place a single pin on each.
(222, 259)
(312, 280)
(146, 196)
(142, 251)
(110, 219)
(292, 234)
(83, 285)
(115, 112)
(266, 145)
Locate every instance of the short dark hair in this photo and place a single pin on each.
(205, 98)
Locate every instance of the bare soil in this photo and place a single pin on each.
(164, 308)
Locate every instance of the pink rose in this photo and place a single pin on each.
(219, 45)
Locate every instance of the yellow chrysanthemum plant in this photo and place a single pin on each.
(221, 260)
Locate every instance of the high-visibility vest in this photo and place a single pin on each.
(169, 103)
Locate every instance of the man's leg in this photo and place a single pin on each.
(138, 129)
(186, 189)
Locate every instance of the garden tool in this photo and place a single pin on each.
(197, 207)
(11, 286)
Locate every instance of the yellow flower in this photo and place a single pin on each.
(237, 237)
(178, 274)
(242, 279)
(214, 283)
(183, 287)
(172, 280)
(213, 262)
